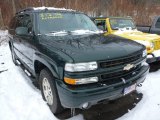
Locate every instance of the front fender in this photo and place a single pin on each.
(50, 64)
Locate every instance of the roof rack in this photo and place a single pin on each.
(43, 8)
(24, 10)
(93, 18)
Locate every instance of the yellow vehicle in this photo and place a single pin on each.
(125, 27)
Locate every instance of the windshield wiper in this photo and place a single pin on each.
(58, 33)
(86, 31)
(55, 33)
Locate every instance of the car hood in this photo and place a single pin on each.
(91, 47)
(137, 35)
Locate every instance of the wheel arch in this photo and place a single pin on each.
(40, 64)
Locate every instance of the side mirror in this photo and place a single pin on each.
(22, 31)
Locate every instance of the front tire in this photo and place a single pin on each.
(49, 91)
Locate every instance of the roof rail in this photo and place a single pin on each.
(24, 10)
(42, 8)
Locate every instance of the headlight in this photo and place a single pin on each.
(152, 45)
(79, 67)
(80, 81)
(144, 53)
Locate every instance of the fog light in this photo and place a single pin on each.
(85, 105)
(149, 56)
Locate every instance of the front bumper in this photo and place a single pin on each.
(153, 57)
(76, 96)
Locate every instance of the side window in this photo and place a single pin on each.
(157, 25)
(24, 21)
(101, 24)
(19, 21)
(27, 22)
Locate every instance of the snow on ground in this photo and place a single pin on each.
(149, 107)
(20, 100)
(3, 36)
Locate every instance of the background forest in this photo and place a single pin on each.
(142, 11)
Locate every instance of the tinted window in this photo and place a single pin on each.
(24, 21)
(158, 23)
(27, 22)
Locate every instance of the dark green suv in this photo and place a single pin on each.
(75, 65)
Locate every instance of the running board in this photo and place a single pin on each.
(18, 62)
(23, 68)
(27, 72)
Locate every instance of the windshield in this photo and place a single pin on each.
(118, 23)
(64, 21)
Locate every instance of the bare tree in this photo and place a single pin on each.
(141, 10)
(13, 6)
(1, 19)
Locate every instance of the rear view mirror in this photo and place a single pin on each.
(21, 31)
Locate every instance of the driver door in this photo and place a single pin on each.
(26, 42)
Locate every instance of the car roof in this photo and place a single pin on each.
(93, 18)
(42, 9)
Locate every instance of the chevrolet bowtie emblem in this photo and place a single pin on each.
(128, 67)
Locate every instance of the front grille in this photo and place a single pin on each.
(157, 44)
(123, 61)
(113, 78)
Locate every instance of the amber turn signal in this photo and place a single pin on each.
(81, 80)
(70, 81)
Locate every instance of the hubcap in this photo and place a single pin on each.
(47, 91)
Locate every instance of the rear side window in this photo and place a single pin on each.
(157, 25)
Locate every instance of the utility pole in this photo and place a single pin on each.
(42, 2)
(66, 4)
(1, 19)
(14, 6)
